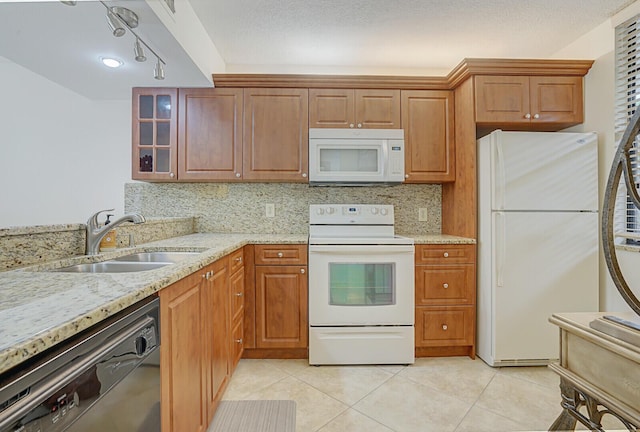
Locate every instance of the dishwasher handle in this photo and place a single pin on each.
(62, 376)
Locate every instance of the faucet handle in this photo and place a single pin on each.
(93, 220)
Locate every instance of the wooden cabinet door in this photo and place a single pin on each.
(427, 120)
(377, 109)
(445, 284)
(556, 99)
(210, 134)
(154, 126)
(215, 332)
(445, 326)
(502, 99)
(276, 135)
(331, 108)
(281, 307)
(181, 360)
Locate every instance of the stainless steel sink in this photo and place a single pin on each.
(157, 257)
(113, 267)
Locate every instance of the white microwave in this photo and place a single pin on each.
(356, 157)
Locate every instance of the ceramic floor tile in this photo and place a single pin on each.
(482, 420)
(251, 376)
(348, 384)
(290, 366)
(314, 409)
(353, 421)
(460, 377)
(406, 406)
(522, 401)
(537, 374)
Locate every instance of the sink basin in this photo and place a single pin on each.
(156, 257)
(112, 267)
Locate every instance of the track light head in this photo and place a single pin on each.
(114, 24)
(139, 51)
(158, 70)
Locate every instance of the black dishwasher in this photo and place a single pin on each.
(106, 379)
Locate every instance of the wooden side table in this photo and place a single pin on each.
(597, 371)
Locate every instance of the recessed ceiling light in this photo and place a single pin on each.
(111, 62)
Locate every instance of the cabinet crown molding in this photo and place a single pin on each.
(465, 69)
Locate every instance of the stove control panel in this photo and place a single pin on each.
(351, 214)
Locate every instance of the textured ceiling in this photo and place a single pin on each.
(400, 35)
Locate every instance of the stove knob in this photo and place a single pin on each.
(319, 211)
(330, 210)
(374, 211)
(383, 212)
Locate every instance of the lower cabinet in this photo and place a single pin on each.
(279, 298)
(197, 353)
(445, 290)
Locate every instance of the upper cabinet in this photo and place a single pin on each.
(276, 135)
(427, 120)
(348, 108)
(210, 134)
(154, 134)
(529, 103)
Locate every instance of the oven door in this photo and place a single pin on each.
(356, 285)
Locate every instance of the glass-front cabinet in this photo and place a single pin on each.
(154, 132)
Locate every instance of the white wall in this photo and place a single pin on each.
(598, 45)
(62, 156)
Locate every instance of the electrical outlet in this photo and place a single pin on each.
(422, 215)
(270, 210)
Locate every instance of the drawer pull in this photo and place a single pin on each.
(445, 285)
(239, 259)
(238, 294)
(446, 254)
(280, 254)
(239, 340)
(444, 327)
(302, 271)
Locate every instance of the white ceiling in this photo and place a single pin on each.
(404, 37)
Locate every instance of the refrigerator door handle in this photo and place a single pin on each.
(500, 248)
(500, 176)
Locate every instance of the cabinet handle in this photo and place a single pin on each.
(359, 125)
(172, 175)
(351, 125)
(445, 285)
(406, 176)
(302, 271)
(304, 175)
(239, 259)
(280, 254)
(238, 294)
(237, 175)
(239, 340)
(536, 116)
(527, 116)
(446, 254)
(444, 327)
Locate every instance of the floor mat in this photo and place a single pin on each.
(255, 416)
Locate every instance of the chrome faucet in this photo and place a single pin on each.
(95, 232)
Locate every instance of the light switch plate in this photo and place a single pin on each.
(422, 215)
(270, 210)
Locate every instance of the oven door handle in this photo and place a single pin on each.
(360, 249)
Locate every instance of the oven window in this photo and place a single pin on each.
(349, 160)
(358, 284)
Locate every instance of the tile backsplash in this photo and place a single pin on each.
(240, 207)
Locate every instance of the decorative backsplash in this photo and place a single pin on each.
(240, 207)
(23, 246)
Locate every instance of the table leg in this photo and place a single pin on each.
(566, 421)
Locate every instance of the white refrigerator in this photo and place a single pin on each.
(538, 241)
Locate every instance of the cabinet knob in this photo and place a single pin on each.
(172, 175)
(406, 176)
(302, 271)
(239, 340)
(444, 327)
(351, 125)
(359, 125)
(536, 116)
(280, 254)
(304, 175)
(446, 254)
(239, 259)
(527, 116)
(237, 175)
(239, 294)
(445, 285)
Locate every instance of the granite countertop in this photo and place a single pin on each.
(40, 308)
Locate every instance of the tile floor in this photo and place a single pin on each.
(453, 394)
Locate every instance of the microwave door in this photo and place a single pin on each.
(347, 162)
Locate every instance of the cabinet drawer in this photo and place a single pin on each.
(236, 282)
(281, 254)
(445, 284)
(448, 326)
(446, 254)
(236, 260)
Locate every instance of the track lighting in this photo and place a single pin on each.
(114, 24)
(158, 70)
(138, 51)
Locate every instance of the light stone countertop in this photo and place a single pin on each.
(40, 308)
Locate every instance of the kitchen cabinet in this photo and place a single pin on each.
(210, 134)
(354, 108)
(154, 134)
(428, 123)
(445, 292)
(528, 102)
(275, 135)
(281, 318)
